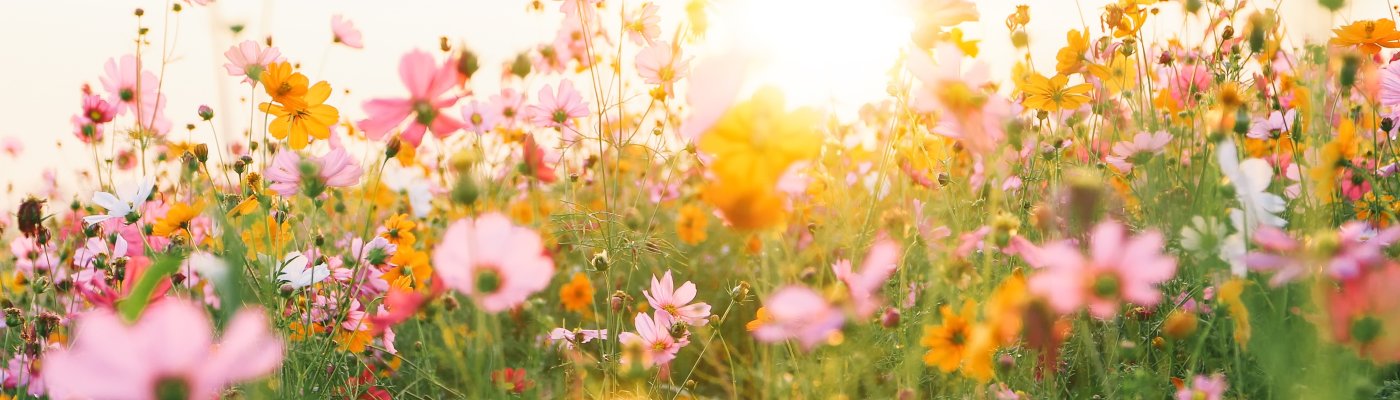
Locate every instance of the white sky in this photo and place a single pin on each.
(52, 47)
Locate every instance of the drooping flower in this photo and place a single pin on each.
(557, 108)
(297, 271)
(666, 298)
(493, 261)
(427, 84)
(125, 204)
(299, 121)
(796, 312)
(248, 60)
(168, 353)
(573, 338)
(653, 339)
(1119, 269)
(344, 32)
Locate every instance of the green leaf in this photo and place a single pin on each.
(131, 306)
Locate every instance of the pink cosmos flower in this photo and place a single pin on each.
(509, 106)
(170, 349)
(249, 60)
(1186, 81)
(864, 286)
(12, 145)
(570, 338)
(661, 64)
(644, 26)
(30, 256)
(1364, 313)
(799, 313)
(557, 108)
(1119, 268)
(1143, 146)
(979, 126)
(137, 91)
(344, 32)
(495, 262)
(654, 338)
(675, 302)
(336, 169)
(1390, 85)
(1203, 388)
(480, 117)
(1276, 124)
(427, 88)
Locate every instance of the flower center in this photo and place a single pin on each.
(126, 94)
(172, 388)
(560, 116)
(488, 281)
(1106, 286)
(426, 113)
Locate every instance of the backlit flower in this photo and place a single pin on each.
(1368, 36)
(493, 261)
(666, 298)
(1119, 268)
(428, 84)
(344, 32)
(248, 60)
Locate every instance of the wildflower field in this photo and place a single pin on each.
(632, 210)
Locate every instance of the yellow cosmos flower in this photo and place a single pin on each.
(691, 224)
(1070, 59)
(1117, 75)
(1367, 36)
(284, 85)
(399, 230)
(1053, 94)
(306, 118)
(755, 141)
(577, 295)
(177, 220)
(958, 343)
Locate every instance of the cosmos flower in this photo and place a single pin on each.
(480, 117)
(248, 60)
(289, 173)
(125, 205)
(654, 338)
(344, 32)
(1277, 124)
(1143, 146)
(493, 261)
(666, 298)
(168, 353)
(428, 84)
(644, 25)
(796, 312)
(136, 91)
(864, 286)
(1251, 179)
(662, 64)
(299, 121)
(296, 271)
(571, 338)
(1119, 268)
(1203, 388)
(1367, 36)
(557, 108)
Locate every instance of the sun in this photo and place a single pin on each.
(829, 53)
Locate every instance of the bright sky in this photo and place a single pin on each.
(823, 52)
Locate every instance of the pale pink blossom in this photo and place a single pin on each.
(1143, 146)
(662, 64)
(801, 314)
(480, 117)
(170, 348)
(427, 84)
(654, 338)
(666, 298)
(1119, 268)
(1278, 123)
(344, 32)
(249, 59)
(496, 263)
(509, 106)
(1203, 388)
(558, 107)
(1390, 84)
(644, 26)
(134, 90)
(336, 169)
(864, 286)
(571, 338)
(11, 145)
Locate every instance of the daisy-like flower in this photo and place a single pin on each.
(796, 312)
(653, 338)
(286, 86)
(1367, 36)
(958, 343)
(1204, 236)
(662, 64)
(249, 59)
(298, 122)
(427, 84)
(1119, 269)
(953, 90)
(864, 286)
(1251, 179)
(168, 354)
(1143, 146)
(297, 271)
(136, 91)
(125, 204)
(312, 176)
(1275, 125)
(344, 32)
(480, 117)
(177, 220)
(558, 107)
(1054, 94)
(666, 298)
(509, 106)
(644, 25)
(496, 263)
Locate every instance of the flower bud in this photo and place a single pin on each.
(13, 317)
(392, 148)
(205, 112)
(201, 152)
(891, 318)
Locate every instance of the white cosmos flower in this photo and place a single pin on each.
(128, 199)
(1251, 179)
(296, 273)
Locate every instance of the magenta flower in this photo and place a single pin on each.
(864, 286)
(654, 338)
(1119, 269)
(170, 350)
(427, 88)
(493, 261)
(557, 108)
(667, 299)
(1203, 388)
(288, 172)
(345, 33)
(799, 313)
(249, 60)
(480, 117)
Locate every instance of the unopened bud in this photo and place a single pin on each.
(205, 112)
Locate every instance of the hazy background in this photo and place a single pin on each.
(51, 48)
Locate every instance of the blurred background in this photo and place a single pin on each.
(831, 53)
